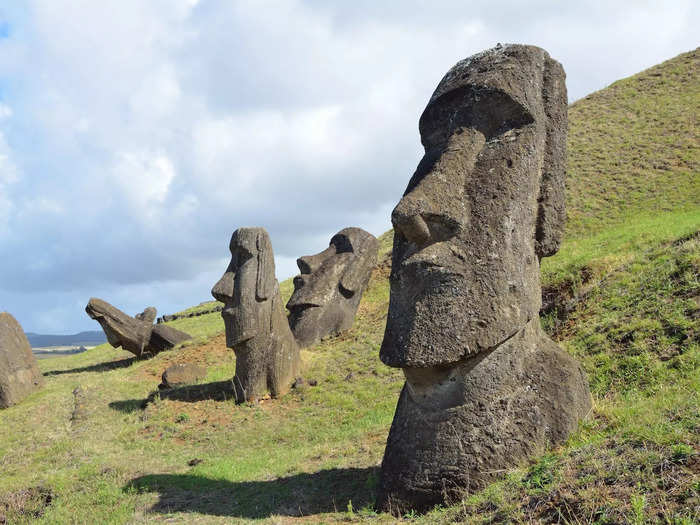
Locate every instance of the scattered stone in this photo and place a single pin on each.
(134, 334)
(350, 377)
(330, 286)
(485, 387)
(173, 317)
(313, 382)
(181, 374)
(267, 355)
(19, 373)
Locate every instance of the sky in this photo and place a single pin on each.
(136, 136)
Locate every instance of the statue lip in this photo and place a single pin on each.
(435, 257)
(302, 305)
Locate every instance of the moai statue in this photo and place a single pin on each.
(19, 372)
(267, 356)
(135, 334)
(485, 387)
(328, 291)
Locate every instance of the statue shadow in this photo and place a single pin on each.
(325, 491)
(100, 367)
(216, 391)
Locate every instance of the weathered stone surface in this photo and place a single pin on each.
(19, 373)
(164, 337)
(134, 334)
(328, 291)
(181, 374)
(267, 356)
(131, 333)
(148, 315)
(485, 387)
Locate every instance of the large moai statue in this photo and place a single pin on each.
(485, 387)
(330, 286)
(267, 356)
(19, 373)
(135, 334)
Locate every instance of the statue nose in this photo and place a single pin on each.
(409, 221)
(223, 289)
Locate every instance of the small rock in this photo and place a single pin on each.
(313, 382)
(182, 374)
(194, 462)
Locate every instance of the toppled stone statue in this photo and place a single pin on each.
(267, 356)
(19, 373)
(485, 387)
(328, 291)
(134, 334)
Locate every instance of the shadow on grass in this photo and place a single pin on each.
(100, 367)
(299, 495)
(217, 391)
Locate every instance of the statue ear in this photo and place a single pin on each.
(551, 213)
(265, 282)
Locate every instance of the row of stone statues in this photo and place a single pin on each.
(325, 300)
(485, 387)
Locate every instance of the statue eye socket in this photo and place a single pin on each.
(492, 112)
(342, 243)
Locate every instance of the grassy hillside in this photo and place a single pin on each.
(623, 296)
(635, 147)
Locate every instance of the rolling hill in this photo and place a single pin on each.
(89, 338)
(623, 296)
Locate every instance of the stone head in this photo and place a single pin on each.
(328, 289)
(485, 203)
(247, 286)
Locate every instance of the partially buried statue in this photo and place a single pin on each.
(19, 372)
(135, 334)
(328, 291)
(267, 356)
(485, 387)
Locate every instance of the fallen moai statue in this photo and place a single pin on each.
(19, 373)
(267, 356)
(485, 387)
(328, 291)
(135, 334)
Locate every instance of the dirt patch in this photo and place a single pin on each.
(24, 503)
(212, 353)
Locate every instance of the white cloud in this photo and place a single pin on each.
(144, 179)
(154, 129)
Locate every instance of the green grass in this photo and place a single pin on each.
(631, 265)
(634, 147)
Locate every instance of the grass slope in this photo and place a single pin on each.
(634, 147)
(627, 304)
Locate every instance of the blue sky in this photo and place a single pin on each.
(136, 136)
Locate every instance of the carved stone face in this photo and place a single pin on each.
(474, 219)
(246, 286)
(327, 292)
